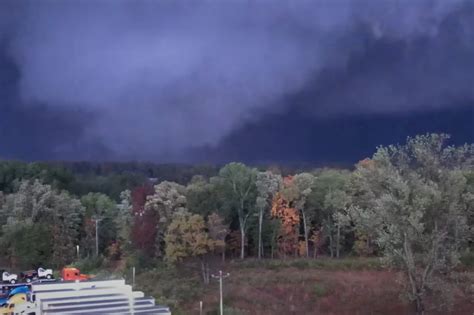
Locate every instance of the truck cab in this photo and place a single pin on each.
(45, 273)
(9, 277)
(72, 274)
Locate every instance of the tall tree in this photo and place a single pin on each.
(168, 199)
(296, 192)
(360, 213)
(337, 203)
(185, 237)
(28, 245)
(36, 204)
(218, 231)
(237, 186)
(322, 203)
(287, 224)
(419, 207)
(268, 184)
(99, 207)
(124, 221)
(144, 228)
(201, 196)
(66, 222)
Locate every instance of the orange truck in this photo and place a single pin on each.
(72, 274)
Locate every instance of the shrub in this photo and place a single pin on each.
(227, 311)
(320, 290)
(89, 264)
(467, 259)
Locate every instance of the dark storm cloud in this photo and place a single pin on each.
(162, 76)
(39, 131)
(400, 75)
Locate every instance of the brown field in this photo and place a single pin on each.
(309, 290)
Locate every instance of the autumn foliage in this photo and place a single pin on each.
(289, 228)
(143, 232)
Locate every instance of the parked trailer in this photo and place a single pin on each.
(88, 297)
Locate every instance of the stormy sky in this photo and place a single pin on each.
(260, 81)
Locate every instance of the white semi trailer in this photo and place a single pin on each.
(88, 297)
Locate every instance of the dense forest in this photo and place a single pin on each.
(410, 204)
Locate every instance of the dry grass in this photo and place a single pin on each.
(324, 286)
(295, 290)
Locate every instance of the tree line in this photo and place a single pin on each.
(410, 204)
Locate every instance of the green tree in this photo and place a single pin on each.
(236, 186)
(419, 208)
(66, 221)
(124, 221)
(98, 207)
(297, 193)
(169, 198)
(337, 203)
(36, 204)
(13, 172)
(267, 185)
(3, 215)
(218, 231)
(201, 196)
(27, 245)
(322, 201)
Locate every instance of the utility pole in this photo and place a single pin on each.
(133, 277)
(221, 277)
(97, 236)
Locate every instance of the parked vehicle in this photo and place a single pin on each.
(41, 273)
(72, 274)
(88, 297)
(12, 303)
(21, 289)
(9, 277)
(28, 276)
(45, 273)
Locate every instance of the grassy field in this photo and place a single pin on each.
(299, 286)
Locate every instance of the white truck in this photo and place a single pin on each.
(40, 273)
(9, 277)
(45, 273)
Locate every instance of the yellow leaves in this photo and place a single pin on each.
(187, 237)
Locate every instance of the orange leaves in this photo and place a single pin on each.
(289, 216)
(290, 220)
